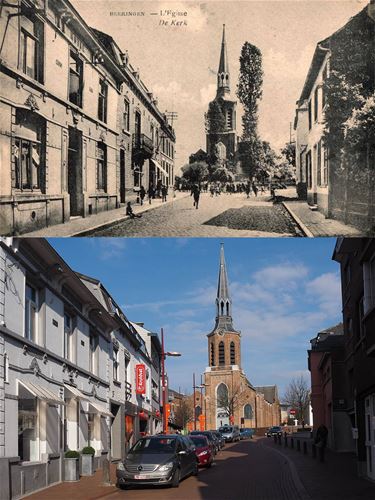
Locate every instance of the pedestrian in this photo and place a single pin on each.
(142, 194)
(247, 190)
(212, 190)
(255, 189)
(151, 193)
(130, 213)
(195, 192)
(164, 192)
(320, 441)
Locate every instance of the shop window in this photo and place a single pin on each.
(31, 309)
(75, 79)
(101, 167)
(102, 101)
(31, 45)
(28, 443)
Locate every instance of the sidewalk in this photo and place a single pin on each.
(314, 223)
(87, 488)
(335, 479)
(80, 225)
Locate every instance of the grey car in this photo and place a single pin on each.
(157, 460)
(230, 432)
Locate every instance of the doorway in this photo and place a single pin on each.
(75, 188)
(122, 176)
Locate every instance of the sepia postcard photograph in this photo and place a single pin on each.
(243, 118)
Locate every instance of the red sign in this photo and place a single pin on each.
(140, 379)
(292, 412)
(167, 411)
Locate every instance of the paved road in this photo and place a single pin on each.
(245, 470)
(238, 216)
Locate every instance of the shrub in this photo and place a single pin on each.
(88, 450)
(72, 454)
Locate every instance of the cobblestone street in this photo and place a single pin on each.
(245, 217)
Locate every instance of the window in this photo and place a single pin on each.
(325, 167)
(310, 115)
(6, 368)
(232, 354)
(31, 313)
(68, 337)
(101, 167)
(221, 353)
(361, 313)
(93, 359)
(75, 79)
(28, 442)
(229, 120)
(248, 411)
(31, 45)
(116, 364)
(212, 353)
(316, 101)
(28, 151)
(369, 285)
(102, 101)
(126, 115)
(319, 163)
(324, 95)
(308, 170)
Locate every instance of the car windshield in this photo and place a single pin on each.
(226, 429)
(154, 445)
(275, 428)
(199, 441)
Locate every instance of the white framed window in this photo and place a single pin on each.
(68, 337)
(93, 353)
(6, 368)
(116, 364)
(28, 426)
(31, 313)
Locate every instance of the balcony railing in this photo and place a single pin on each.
(142, 146)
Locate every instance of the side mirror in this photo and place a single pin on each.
(182, 452)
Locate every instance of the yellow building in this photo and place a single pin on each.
(229, 396)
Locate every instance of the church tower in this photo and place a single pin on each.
(222, 142)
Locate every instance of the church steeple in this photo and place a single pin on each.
(223, 301)
(223, 86)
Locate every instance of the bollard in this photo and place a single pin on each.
(313, 450)
(285, 441)
(292, 442)
(275, 438)
(304, 448)
(298, 445)
(106, 474)
(279, 438)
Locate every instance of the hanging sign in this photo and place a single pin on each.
(140, 379)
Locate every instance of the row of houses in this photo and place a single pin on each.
(338, 187)
(74, 371)
(341, 359)
(79, 130)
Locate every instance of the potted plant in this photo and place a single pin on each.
(87, 455)
(71, 466)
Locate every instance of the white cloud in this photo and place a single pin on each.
(284, 276)
(110, 248)
(325, 290)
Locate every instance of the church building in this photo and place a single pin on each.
(221, 135)
(230, 398)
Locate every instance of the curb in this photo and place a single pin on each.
(296, 479)
(298, 221)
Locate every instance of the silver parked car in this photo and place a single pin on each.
(157, 460)
(230, 432)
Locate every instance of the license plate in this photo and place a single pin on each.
(141, 477)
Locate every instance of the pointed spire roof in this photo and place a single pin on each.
(222, 287)
(223, 64)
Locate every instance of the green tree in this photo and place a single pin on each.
(289, 153)
(251, 155)
(195, 172)
(249, 88)
(215, 125)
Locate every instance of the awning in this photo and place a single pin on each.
(42, 393)
(158, 166)
(98, 408)
(76, 392)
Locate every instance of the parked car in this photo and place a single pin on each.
(246, 433)
(230, 432)
(220, 438)
(157, 460)
(274, 431)
(203, 450)
(211, 439)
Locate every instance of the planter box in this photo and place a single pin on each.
(87, 465)
(71, 469)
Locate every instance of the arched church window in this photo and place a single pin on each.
(212, 353)
(198, 411)
(232, 354)
(222, 395)
(222, 307)
(227, 308)
(248, 411)
(221, 353)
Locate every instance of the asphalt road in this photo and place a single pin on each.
(242, 471)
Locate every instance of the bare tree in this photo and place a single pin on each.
(229, 400)
(183, 413)
(297, 395)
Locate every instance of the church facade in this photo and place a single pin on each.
(230, 398)
(221, 134)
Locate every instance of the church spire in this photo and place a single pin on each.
(223, 71)
(223, 301)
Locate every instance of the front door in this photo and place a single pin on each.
(122, 176)
(370, 435)
(75, 187)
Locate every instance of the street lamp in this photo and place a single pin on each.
(163, 356)
(201, 387)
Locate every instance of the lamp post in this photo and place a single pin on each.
(163, 356)
(201, 386)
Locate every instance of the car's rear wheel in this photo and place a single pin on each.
(176, 478)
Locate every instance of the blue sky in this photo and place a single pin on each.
(283, 291)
